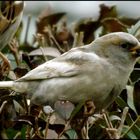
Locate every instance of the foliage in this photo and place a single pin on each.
(21, 119)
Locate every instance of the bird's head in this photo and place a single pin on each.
(120, 45)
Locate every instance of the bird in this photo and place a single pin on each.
(98, 71)
(10, 17)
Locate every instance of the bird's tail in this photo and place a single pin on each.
(20, 87)
(6, 84)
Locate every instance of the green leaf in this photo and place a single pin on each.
(77, 109)
(134, 28)
(135, 128)
(71, 134)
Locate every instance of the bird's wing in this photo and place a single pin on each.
(65, 66)
(69, 64)
(50, 70)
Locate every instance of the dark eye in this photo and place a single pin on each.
(126, 45)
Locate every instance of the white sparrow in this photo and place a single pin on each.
(98, 71)
(10, 18)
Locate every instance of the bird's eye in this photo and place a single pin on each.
(125, 45)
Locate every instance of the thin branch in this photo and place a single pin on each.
(27, 29)
(2, 106)
(13, 45)
(48, 30)
(47, 125)
(78, 39)
(138, 118)
(124, 114)
(75, 40)
(108, 122)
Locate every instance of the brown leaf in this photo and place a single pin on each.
(58, 128)
(20, 72)
(48, 20)
(128, 21)
(30, 120)
(88, 26)
(44, 13)
(113, 25)
(62, 32)
(106, 11)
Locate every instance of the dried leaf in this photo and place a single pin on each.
(48, 20)
(58, 128)
(113, 25)
(88, 26)
(47, 51)
(62, 32)
(134, 28)
(19, 72)
(30, 120)
(106, 11)
(128, 21)
(45, 12)
(18, 107)
(64, 108)
(114, 117)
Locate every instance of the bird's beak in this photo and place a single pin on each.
(136, 50)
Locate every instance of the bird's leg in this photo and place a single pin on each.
(89, 108)
(80, 121)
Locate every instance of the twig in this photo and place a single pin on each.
(125, 111)
(112, 132)
(81, 37)
(131, 83)
(27, 29)
(138, 118)
(48, 30)
(84, 131)
(75, 40)
(65, 128)
(78, 39)
(108, 122)
(17, 135)
(66, 45)
(45, 57)
(5, 59)
(27, 134)
(47, 125)
(26, 106)
(2, 106)
(13, 46)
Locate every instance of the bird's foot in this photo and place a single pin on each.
(89, 108)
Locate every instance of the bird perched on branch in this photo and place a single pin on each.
(10, 18)
(98, 71)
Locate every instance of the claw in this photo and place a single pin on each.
(89, 108)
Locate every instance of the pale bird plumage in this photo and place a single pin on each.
(98, 71)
